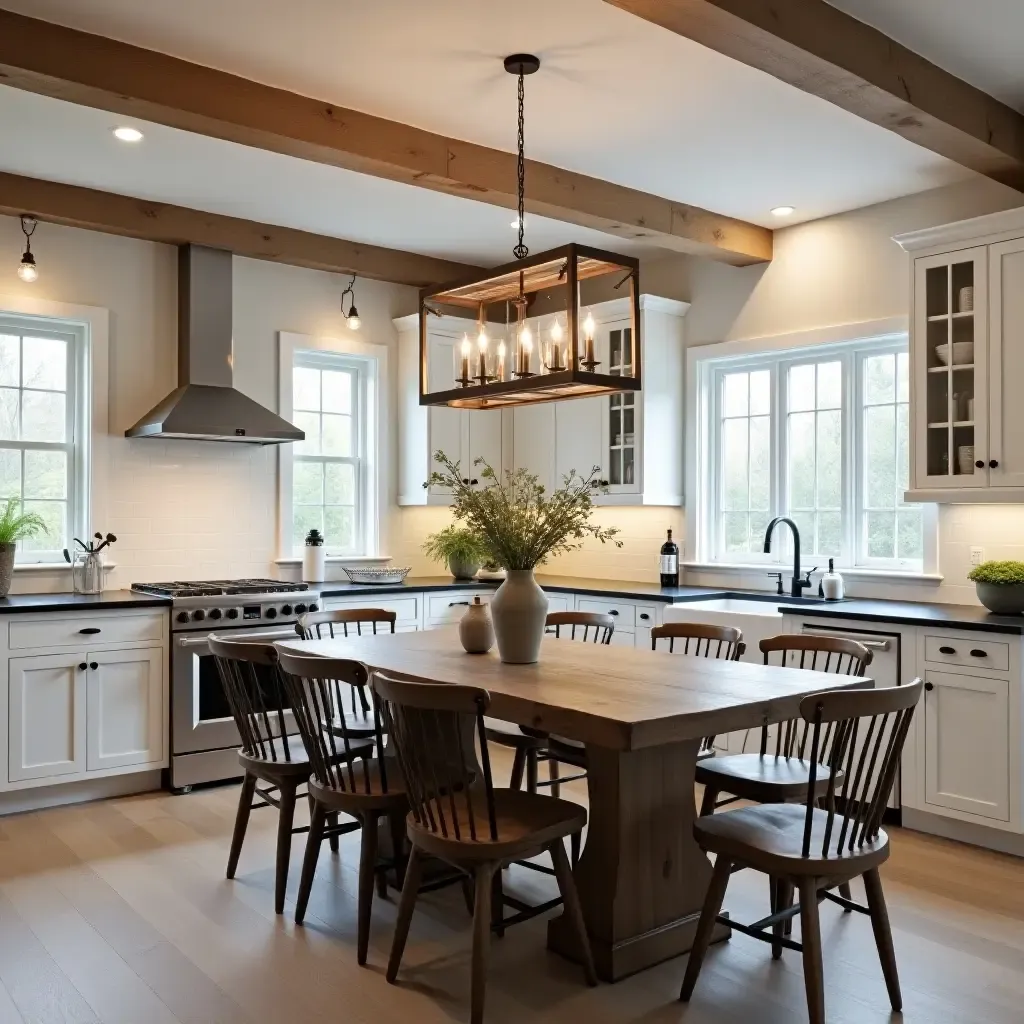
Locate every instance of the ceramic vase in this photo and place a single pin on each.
(475, 630)
(519, 610)
(1002, 598)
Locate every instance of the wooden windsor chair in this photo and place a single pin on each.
(458, 816)
(271, 752)
(811, 849)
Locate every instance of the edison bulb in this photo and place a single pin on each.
(27, 271)
(353, 318)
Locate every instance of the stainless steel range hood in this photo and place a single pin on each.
(205, 406)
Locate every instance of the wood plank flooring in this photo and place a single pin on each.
(118, 912)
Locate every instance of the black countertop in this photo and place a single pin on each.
(924, 613)
(67, 602)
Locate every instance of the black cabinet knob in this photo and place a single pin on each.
(474, 482)
(993, 463)
(980, 464)
(947, 650)
(644, 616)
(94, 665)
(465, 479)
(977, 653)
(82, 667)
(614, 611)
(929, 686)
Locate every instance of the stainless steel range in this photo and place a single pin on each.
(203, 735)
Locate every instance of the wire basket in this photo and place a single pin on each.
(377, 574)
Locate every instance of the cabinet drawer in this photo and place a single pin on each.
(622, 612)
(406, 608)
(445, 608)
(559, 602)
(79, 630)
(624, 638)
(947, 650)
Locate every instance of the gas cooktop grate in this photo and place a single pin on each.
(214, 588)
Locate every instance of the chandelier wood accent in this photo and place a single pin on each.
(558, 352)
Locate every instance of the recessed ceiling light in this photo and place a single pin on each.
(782, 211)
(126, 134)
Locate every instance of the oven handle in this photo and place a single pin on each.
(199, 641)
(875, 645)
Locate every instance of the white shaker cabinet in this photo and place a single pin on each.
(1006, 362)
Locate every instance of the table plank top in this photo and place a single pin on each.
(618, 697)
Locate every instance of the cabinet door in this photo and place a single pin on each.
(950, 357)
(445, 425)
(485, 441)
(579, 425)
(967, 760)
(124, 721)
(621, 428)
(47, 716)
(1006, 365)
(533, 441)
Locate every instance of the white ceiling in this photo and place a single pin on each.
(980, 41)
(616, 98)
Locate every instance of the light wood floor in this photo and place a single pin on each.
(119, 912)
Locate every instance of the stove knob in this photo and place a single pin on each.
(314, 607)
(232, 613)
(182, 616)
(299, 609)
(198, 615)
(286, 609)
(270, 613)
(215, 613)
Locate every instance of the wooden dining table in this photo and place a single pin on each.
(641, 714)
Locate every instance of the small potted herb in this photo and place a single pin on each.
(462, 549)
(15, 524)
(1000, 586)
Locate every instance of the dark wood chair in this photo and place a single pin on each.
(458, 816)
(368, 789)
(810, 849)
(701, 640)
(271, 752)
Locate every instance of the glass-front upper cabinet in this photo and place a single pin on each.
(621, 451)
(951, 370)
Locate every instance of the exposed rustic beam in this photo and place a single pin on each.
(828, 53)
(56, 203)
(99, 72)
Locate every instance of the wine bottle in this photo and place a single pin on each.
(670, 562)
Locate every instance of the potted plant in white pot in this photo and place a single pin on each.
(15, 524)
(1000, 586)
(462, 549)
(522, 527)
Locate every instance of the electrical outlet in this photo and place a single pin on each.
(977, 556)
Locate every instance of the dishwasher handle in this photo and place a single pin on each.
(874, 645)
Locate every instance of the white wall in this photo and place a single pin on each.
(185, 509)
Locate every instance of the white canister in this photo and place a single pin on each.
(966, 299)
(313, 558)
(833, 587)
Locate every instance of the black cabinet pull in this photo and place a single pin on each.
(94, 665)
(980, 464)
(929, 686)
(454, 604)
(993, 463)
(977, 653)
(474, 481)
(465, 479)
(947, 650)
(90, 629)
(644, 616)
(614, 611)
(82, 667)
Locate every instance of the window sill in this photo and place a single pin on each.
(892, 575)
(339, 560)
(51, 567)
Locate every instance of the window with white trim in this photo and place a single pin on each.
(44, 436)
(822, 436)
(333, 397)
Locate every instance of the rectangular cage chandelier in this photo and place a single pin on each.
(531, 336)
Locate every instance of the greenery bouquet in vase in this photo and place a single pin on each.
(522, 527)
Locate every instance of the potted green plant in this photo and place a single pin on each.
(522, 527)
(1000, 586)
(461, 548)
(15, 524)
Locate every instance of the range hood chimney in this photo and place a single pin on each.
(205, 406)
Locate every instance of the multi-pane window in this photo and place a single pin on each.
(328, 471)
(823, 438)
(39, 452)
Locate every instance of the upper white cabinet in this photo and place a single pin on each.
(967, 360)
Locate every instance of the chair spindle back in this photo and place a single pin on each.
(345, 622)
(701, 640)
(590, 627)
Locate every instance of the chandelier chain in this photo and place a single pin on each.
(521, 251)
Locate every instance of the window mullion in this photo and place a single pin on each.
(780, 448)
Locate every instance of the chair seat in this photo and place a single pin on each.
(526, 824)
(568, 751)
(770, 837)
(279, 764)
(768, 779)
(356, 723)
(508, 734)
(363, 788)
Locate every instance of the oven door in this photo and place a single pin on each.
(200, 716)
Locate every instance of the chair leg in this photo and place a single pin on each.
(575, 841)
(481, 940)
(531, 770)
(332, 820)
(706, 926)
(410, 890)
(241, 821)
(572, 907)
(396, 825)
(317, 819)
(883, 936)
(810, 928)
(498, 905)
(553, 775)
(707, 804)
(367, 872)
(518, 769)
(285, 822)
(783, 901)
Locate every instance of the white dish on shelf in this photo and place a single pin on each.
(963, 352)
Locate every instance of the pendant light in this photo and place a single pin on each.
(352, 316)
(27, 269)
(568, 360)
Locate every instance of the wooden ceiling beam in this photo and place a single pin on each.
(829, 54)
(55, 203)
(110, 75)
